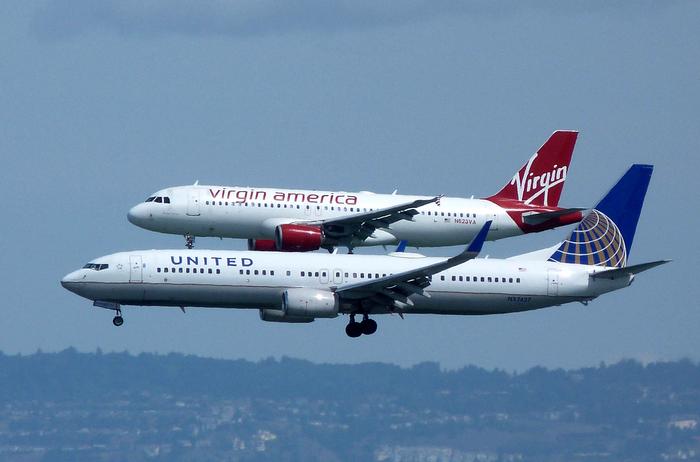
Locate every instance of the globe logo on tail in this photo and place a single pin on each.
(596, 241)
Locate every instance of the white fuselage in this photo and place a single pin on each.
(244, 279)
(254, 213)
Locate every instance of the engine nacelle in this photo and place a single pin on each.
(298, 238)
(310, 303)
(262, 245)
(279, 316)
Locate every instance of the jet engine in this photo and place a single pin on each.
(261, 244)
(279, 316)
(303, 302)
(297, 238)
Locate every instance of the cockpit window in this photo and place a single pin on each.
(96, 266)
(150, 199)
(159, 199)
(166, 200)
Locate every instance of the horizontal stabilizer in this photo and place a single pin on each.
(537, 218)
(627, 270)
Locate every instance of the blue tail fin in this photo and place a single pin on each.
(605, 235)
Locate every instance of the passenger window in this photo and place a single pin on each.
(466, 278)
(517, 280)
(247, 272)
(240, 271)
(165, 270)
(354, 275)
(489, 279)
(362, 275)
(272, 272)
(376, 275)
(316, 273)
(179, 270)
(201, 270)
(289, 273)
(454, 278)
(218, 271)
(158, 270)
(255, 272)
(482, 279)
(510, 280)
(302, 273)
(442, 278)
(460, 279)
(209, 270)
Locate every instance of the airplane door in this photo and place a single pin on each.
(193, 203)
(136, 268)
(552, 282)
(323, 276)
(337, 276)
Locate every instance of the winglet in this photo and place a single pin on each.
(478, 242)
(402, 246)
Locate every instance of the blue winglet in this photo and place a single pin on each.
(402, 246)
(478, 242)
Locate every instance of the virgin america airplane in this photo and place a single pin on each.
(299, 288)
(304, 220)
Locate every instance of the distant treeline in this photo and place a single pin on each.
(86, 376)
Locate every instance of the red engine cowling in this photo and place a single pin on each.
(264, 245)
(297, 238)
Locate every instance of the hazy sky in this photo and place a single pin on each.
(102, 103)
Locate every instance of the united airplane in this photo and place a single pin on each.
(304, 220)
(300, 288)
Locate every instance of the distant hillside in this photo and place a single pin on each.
(290, 409)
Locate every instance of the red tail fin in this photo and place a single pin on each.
(541, 180)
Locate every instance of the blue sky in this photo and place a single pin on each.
(105, 102)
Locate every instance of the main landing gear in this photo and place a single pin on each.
(118, 320)
(367, 326)
(189, 241)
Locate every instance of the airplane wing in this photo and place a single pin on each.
(359, 226)
(626, 271)
(393, 290)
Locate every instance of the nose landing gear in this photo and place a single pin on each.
(118, 320)
(367, 326)
(189, 241)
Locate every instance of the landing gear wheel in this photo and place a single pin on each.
(118, 320)
(353, 328)
(368, 326)
(189, 241)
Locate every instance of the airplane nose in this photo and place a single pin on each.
(70, 280)
(139, 214)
